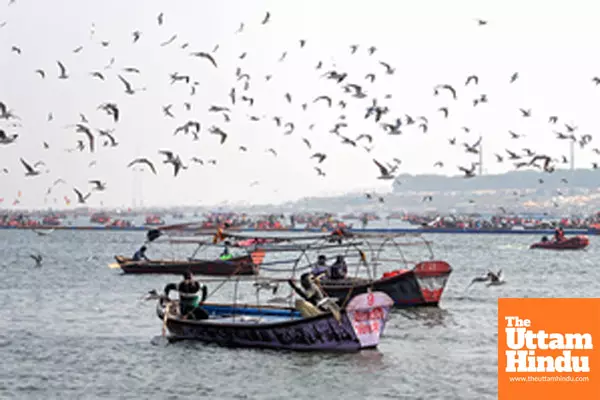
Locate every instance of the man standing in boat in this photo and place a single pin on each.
(226, 254)
(189, 297)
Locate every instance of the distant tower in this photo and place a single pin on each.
(481, 157)
(141, 189)
(572, 155)
(133, 188)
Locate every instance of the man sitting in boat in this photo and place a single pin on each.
(310, 291)
(559, 234)
(189, 297)
(140, 255)
(320, 267)
(338, 269)
(226, 254)
(313, 300)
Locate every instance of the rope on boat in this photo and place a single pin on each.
(223, 283)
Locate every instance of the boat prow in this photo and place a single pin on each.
(359, 326)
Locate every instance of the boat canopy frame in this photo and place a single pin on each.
(374, 244)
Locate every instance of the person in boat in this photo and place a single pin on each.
(559, 234)
(140, 255)
(313, 300)
(321, 266)
(338, 270)
(226, 254)
(189, 297)
(309, 291)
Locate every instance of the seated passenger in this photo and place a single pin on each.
(314, 301)
(140, 255)
(339, 269)
(320, 267)
(310, 291)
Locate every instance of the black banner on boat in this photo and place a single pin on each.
(153, 234)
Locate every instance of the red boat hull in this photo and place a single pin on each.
(574, 243)
(421, 286)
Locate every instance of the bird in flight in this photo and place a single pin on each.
(30, 171)
(143, 161)
(385, 173)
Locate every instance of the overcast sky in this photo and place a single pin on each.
(551, 45)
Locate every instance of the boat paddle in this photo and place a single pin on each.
(165, 317)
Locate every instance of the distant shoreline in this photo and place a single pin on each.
(472, 231)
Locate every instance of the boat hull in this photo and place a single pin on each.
(419, 287)
(575, 243)
(236, 266)
(358, 328)
(322, 333)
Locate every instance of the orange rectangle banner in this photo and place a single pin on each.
(548, 349)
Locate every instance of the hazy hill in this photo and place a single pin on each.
(517, 180)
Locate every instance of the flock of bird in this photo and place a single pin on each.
(350, 89)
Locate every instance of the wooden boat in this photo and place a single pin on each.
(574, 243)
(421, 286)
(244, 265)
(357, 327)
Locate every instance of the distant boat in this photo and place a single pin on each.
(574, 243)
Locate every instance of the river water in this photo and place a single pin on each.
(75, 329)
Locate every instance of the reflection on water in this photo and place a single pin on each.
(429, 317)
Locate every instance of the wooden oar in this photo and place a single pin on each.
(114, 266)
(164, 327)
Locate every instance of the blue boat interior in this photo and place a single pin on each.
(249, 319)
(232, 314)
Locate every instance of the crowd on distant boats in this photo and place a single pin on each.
(321, 221)
(503, 222)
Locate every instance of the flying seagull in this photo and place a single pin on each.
(63, 71)
(29, 169)
(385, 173)
(99, 186)
(202, 54)
(80, 197)
(128, 88)
(143, 161)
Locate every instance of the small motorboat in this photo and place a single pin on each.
(356, 327)
(574, 243)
